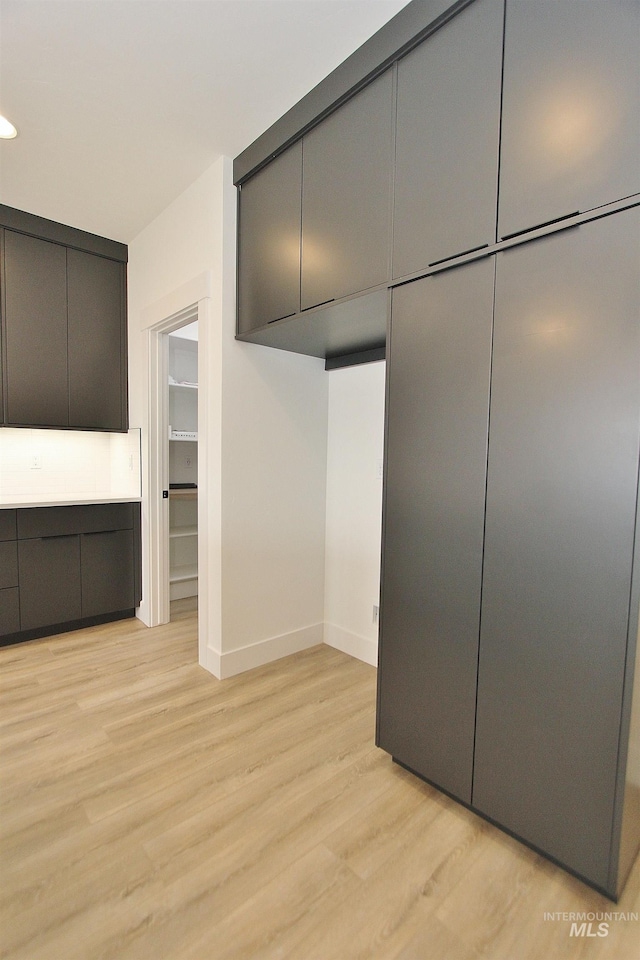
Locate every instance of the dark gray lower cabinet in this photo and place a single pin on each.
(536, 588)
(561, 506)
(437, 409)
(67, 567)
(49, 581)
(108, 572)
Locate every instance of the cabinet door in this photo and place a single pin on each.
(97, 364)
(9, 611)
(561, 499)
(8, 564)
(448, 130)
(108, 578)
(269, 242)
(35, 309)
(7, 524)
(436, 451)
(346, 197)
(49, 572)
(570, 119)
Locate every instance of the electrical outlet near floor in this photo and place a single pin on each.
(376, 612)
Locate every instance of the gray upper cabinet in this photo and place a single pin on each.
(269, 242)
(97, 342)
(64, 326)
(561, 505)
(436, 454)
(570, 123)
(35, 331)
(346, 197)
(447, 140)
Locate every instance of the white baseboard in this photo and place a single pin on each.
(359, 647)
(182, 589)
(232, 662)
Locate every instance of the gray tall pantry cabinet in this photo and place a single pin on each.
(510, 557)
(508, 608)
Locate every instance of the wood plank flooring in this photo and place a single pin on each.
(151, 812)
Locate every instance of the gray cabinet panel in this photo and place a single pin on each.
(561, 498)
(438, 401)
(97, 366)
(270, 215)
(8, 564)
(108, 577)
(9, 611)
(346, 197)
(49, 572)
(447, 140)
(570, 121)
(35, 303)
(7, 524)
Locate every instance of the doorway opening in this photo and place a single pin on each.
(182, 383)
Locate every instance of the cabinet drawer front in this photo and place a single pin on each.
(7, 524)
(49, 581)
(87, 518)
(9, 611)
(8, 564)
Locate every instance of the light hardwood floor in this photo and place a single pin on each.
(151, 812)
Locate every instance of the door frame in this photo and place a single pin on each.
(159, 458)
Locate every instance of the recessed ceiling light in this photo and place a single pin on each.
(7, 129)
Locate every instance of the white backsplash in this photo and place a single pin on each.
(68, 466)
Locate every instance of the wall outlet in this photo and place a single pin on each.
(187, 461)
(379, 469)
(376, 612)
(130, 461)
(36, 462)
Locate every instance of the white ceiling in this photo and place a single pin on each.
(121, 104)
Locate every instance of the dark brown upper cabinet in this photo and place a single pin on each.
(270, 214)
(346, 197)
(35, 331)
(64, 334)
(570, 125)
(447, 140)
(97, 342)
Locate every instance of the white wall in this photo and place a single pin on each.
(354, 508)
(265, 423)
(47, 467)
